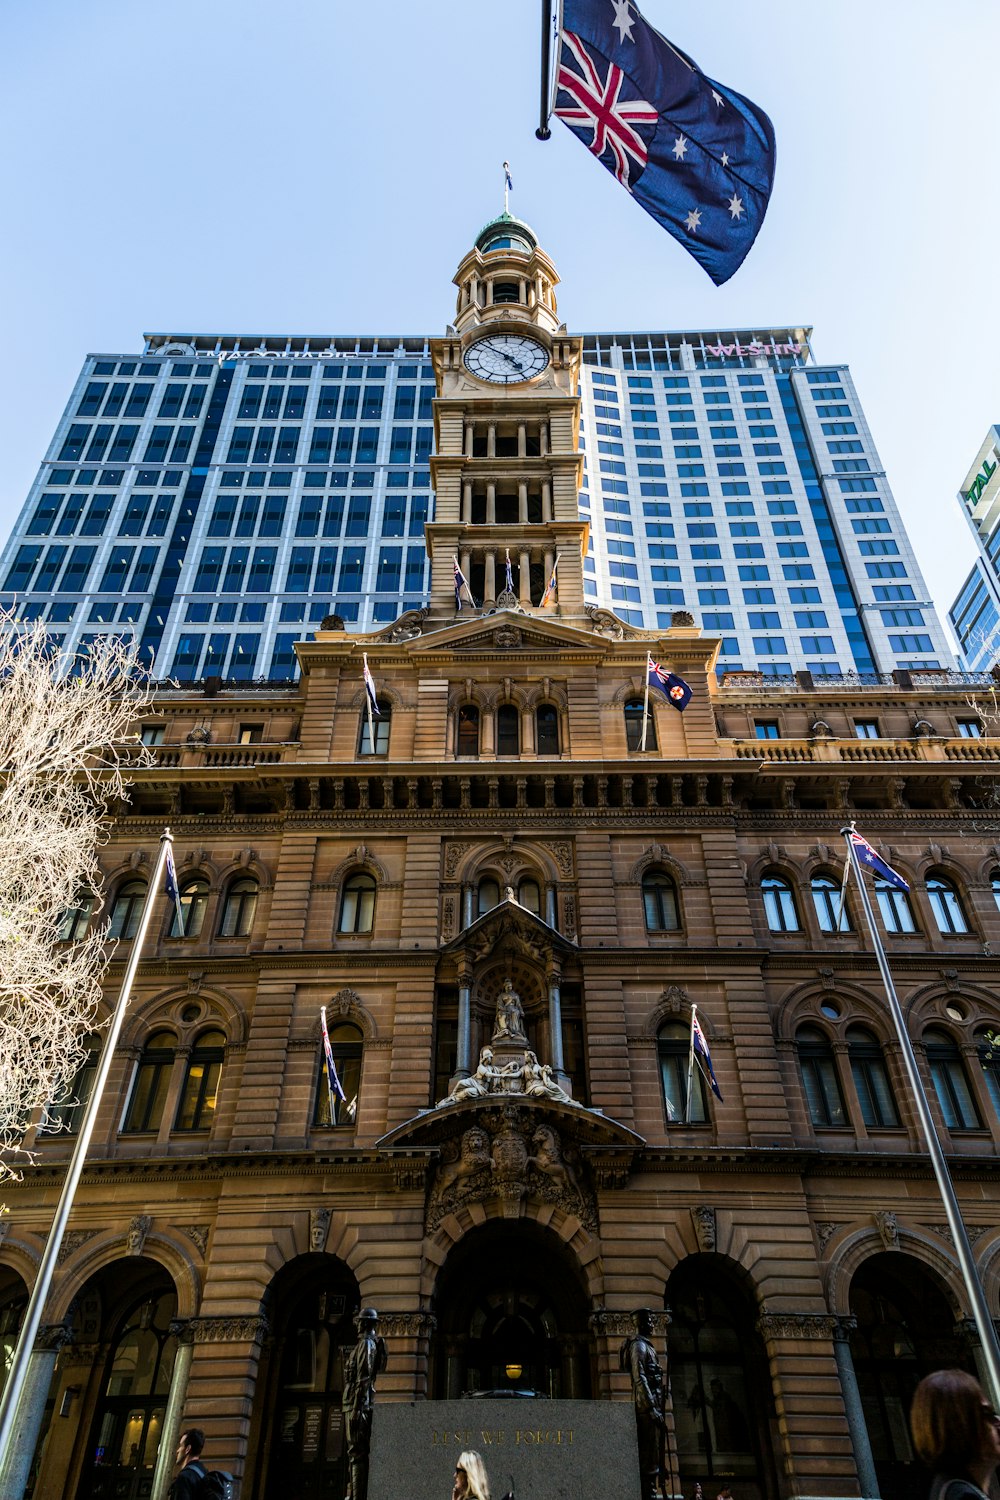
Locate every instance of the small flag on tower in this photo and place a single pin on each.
(673, 688)
(550, 587)
(508, 180)
(509, 583)
(173, 890)
(462, 583)
(870, 857)
(702, 1053)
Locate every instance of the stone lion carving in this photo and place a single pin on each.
(473, 1156)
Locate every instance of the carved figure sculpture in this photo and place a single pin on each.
(548, 1159)
(478, 1084)
(538, 1081)
(474, 1156)
(638, 1356)
(362, 1367)
(509, 1024)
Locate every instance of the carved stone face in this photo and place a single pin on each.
(475, 1143)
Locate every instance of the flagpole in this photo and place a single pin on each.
(36, 1304)
(368, 701)
(963, 1249)
(326, 1063)
(687, 1106)
(543, 132)
(645, 702)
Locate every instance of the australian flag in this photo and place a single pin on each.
(701, 1051)
(870, 857)
(693, 153)
(674, 688)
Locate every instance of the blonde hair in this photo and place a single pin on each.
(475, 1472)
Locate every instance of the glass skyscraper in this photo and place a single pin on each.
(217, 497)
(975, 613)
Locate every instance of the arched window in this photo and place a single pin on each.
(346, 1044)
(357, 904)
(829, 907)
(673, 1046)
(508, 730)
(196, 1110)
(871, 1081)
(152, 1079)
(633, 726)
(529, 896)
(489, 894)
(239, 908)
(819, 1077)
(995, 885)
(468, 730)
(950, 1081)
(659, 899)
(193, 902)
(779, 904)
(989, 1056)
(381, 723)
(547, 729)
(946, 906)
(127, 909)
(76, 918)
(66, 1114)
(133, 1388)
(894, 904)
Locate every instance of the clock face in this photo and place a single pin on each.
(506, 358)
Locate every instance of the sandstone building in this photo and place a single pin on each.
(504, 829)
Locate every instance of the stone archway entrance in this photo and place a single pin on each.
(512, 1315)
(906, 1328)
(310, 1307)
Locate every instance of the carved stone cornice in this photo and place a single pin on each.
(817, 1326)
(252, 1330)
(610, 1324)
(53, 1336)
(407, 1325)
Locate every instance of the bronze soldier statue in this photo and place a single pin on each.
(638, 1356)
(362, 1367)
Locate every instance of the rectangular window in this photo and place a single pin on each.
(263, 446)
(135, 515)
(272, 518)
(300, 566)
(283, 661)
(288, 444)
(236, 567)
(911, 643)
(99, 441)
(243, 662)
(295, 403)
(262, 570)
(172, 401)
(209, 570)
(769, 645)
(187, 655)
(96, 518)
(138, 400)
(74, 578)
(352, 561)
(159, 441)
(142, 577)
(866, 729)
(326, 570)
(766, 729)
(358, 515)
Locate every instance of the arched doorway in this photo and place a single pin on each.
(906, 1328)
(13, 1301)
(720, 1383)
(138, 1303)
(310, 1306)
(512, 1314)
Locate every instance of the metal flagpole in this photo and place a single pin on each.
(687, 1104)
(645, 702)
(963, 1249)
(543, 132)
(40, 1291)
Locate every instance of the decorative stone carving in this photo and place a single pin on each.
(674, 999)
(507, 637)
(885, 1223)
(138, 1229)
(71, 1241)
(199, 735)
(448, 918)
(319, 1228)
(510, 1153)
(454, 855)
(344, 1002)
(569, 916)
(603, 622)
(797, 1326)
(974, 1231)
(704, 1226)
(608, 1324)
(252, 1330)
(563, 856)
(53, 1336)
(198, 1234)
(404, 1325)
(824, 1234)
(407, 627)
(509, 1023)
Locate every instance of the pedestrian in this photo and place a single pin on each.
(471, 1482)
(725, 1493)
(192, 1471)
(957, 1434)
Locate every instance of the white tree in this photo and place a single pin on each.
(67, 746)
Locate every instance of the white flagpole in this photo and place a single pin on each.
(645, 702)
(963, 1249)
(687, 1106)
(40, 1291)
(368, 701)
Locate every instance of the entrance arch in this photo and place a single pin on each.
(721, 1385)
(13, 1301)
(512, 1314)
(300, 1450)
(906, 1328)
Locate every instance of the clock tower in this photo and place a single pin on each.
(507, 468)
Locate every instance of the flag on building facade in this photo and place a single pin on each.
(870, 857)
(461, 583)
(509, 583)
(673, 688)
(696, 155)
(333, 1082)
(700, 1045)
(173, 889)
(550, 587)
(370, 687)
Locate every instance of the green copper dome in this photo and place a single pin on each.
(506, 233)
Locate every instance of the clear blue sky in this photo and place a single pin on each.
(321, 166)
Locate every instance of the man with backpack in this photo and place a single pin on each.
(194, 1481)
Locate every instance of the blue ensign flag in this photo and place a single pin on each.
(674, 688)
(693, 153)
(700, 1044)
(173, 890)
(870, 857)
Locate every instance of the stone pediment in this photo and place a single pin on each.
(509, 919)
(506, 632)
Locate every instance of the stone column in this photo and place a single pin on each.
(852, 1404)
(31, 1408)
(522, 502)
(468, 439)
(491, 440)
(490, 583)
(528, 731)
(522, 440)
(546, 498)
(524, 580)
(555, 1027)
(463, 1060)
(467, 503)
(491, 504)
(465, 563)
(545, 439)
(467, 895)
(171, 1430)
(550, 905)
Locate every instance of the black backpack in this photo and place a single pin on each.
(214, 1484)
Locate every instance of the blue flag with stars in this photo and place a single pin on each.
(693, 153)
